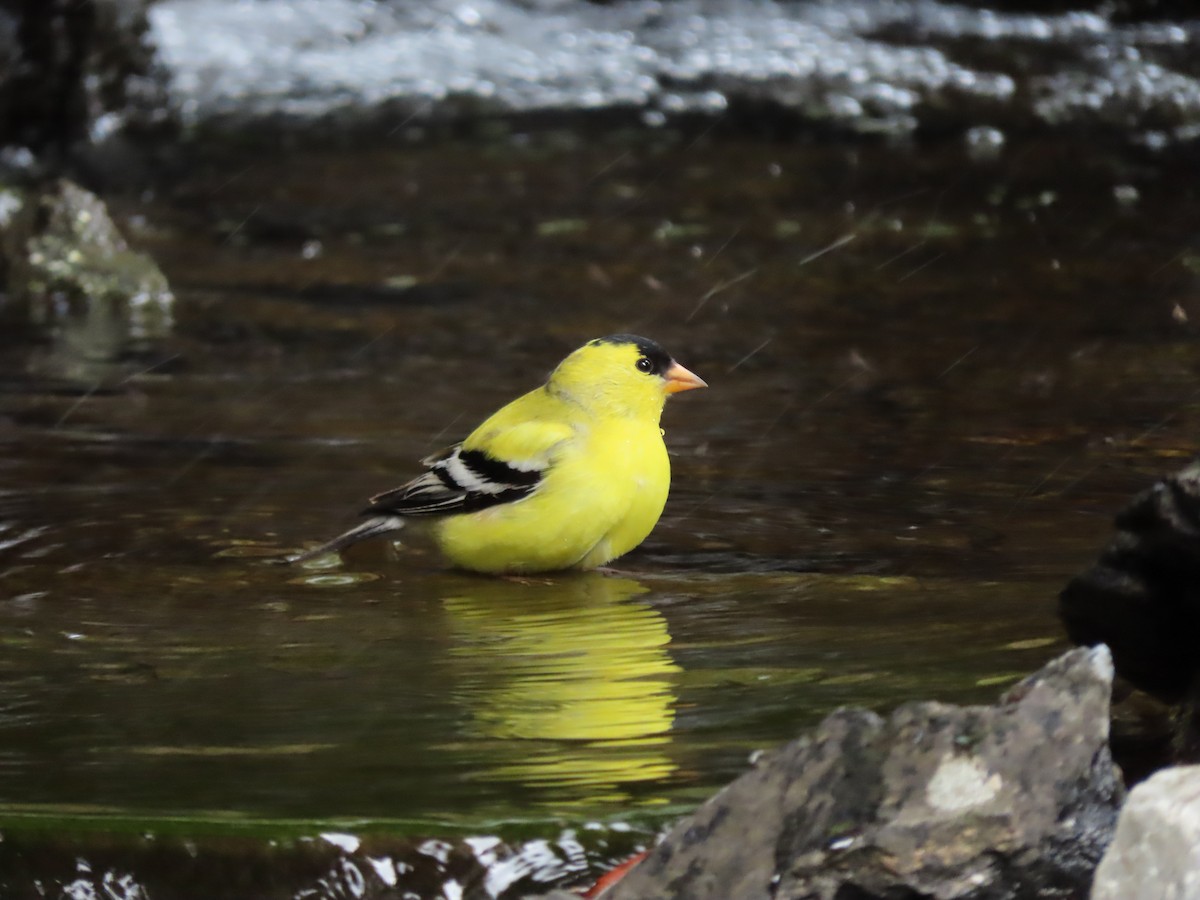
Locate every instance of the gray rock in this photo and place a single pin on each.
(1013, 800)
(1155, 853)
(66, 267)
(63, 243)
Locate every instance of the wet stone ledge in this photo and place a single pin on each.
(863, 66)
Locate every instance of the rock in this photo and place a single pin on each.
(1013, 800)
(1156, 850)
(63, 242)
(1142, 732)
(64, 265)
(1142, 597)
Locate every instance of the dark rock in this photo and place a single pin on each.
(1013, 800)
(1142, 597)
(74, 71)
(1142, 732)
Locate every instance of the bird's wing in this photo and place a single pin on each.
(466, 478)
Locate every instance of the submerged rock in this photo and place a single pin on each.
(1156, 849)
(1013, 800)
(331, 865)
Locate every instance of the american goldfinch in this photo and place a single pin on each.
(569, 476)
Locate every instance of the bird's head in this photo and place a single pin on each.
(622, 374)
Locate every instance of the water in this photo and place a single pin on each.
(933, 380)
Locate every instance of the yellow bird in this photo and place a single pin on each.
(569, 476)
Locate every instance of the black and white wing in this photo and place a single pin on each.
(458, 481)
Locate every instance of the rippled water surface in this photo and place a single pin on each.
(933, 380)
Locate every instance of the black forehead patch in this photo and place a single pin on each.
(646, 347)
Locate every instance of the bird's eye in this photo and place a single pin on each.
(644, 365)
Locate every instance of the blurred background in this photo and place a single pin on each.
(939, 264)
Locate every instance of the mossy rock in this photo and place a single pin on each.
(63, 244)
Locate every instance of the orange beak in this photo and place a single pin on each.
(680, 379)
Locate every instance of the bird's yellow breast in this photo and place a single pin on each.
(601, 496)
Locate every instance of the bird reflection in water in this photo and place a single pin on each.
(573, 677)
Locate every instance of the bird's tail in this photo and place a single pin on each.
(373, 527)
